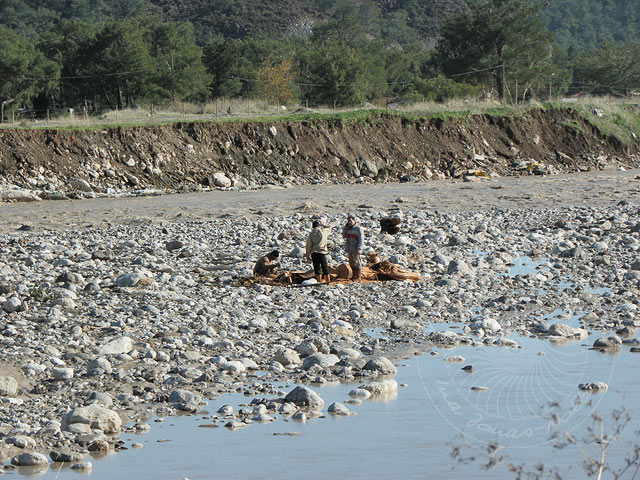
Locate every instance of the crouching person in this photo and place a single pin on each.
(267, 265)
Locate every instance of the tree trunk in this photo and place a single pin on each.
(500, 86)
(500, 76)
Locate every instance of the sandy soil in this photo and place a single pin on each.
(593, 188)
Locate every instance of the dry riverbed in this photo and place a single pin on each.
(113, 310)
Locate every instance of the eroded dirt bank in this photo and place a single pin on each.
(188, 157)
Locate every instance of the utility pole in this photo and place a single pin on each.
(504, 81)
(5, 102)
(173, 83)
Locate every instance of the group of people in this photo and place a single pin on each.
(317, 251)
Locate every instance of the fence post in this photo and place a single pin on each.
(334, 104)
(247, 106)
(47, 115)
(116, 113)
(216, 108)
(152, 109)
(13, 117)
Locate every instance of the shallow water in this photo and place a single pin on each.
(412, 434)
(524, 265)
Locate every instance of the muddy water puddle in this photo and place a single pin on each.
(413, 434)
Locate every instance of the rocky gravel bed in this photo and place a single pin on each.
(103, 328)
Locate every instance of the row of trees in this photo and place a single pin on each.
(497, 46)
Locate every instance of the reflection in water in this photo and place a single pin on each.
(524, 265)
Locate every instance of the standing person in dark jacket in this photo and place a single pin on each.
(317, 251)
(353, 240)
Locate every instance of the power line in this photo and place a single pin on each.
(474, 71)
(75, 77)
(136, 72)
(253, 80)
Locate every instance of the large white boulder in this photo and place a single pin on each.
(96, 416)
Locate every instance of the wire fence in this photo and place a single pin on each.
(248, 109)
(169, 112)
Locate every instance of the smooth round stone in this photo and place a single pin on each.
(338, 409)
(382, 389)
(185, 396)
(83, 467)
(234, 367)
(99, 366)
(14, 304)
(62, 374)
(381, 365)
(129, 279)
(30, 460)
(454, 359)
(22, 441)
(608, 342)
(323, 360)
(299, 416)
(360, 393)
(287, 356)
(234, 424)
(225, 410)
(95, 416)
(8, 386)
(305, 397)
(287, 409)
(66, 457)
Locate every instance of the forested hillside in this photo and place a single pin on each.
(587, 23)
(576, 23)
(97, 55)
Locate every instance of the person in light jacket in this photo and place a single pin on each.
(353, 241)
(317, 251)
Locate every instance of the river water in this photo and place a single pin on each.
(414, 434)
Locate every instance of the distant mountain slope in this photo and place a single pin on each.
(576, 23)
(236, 18)
(424, 16)
(586, 23)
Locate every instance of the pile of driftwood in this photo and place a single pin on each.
(378, 271)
